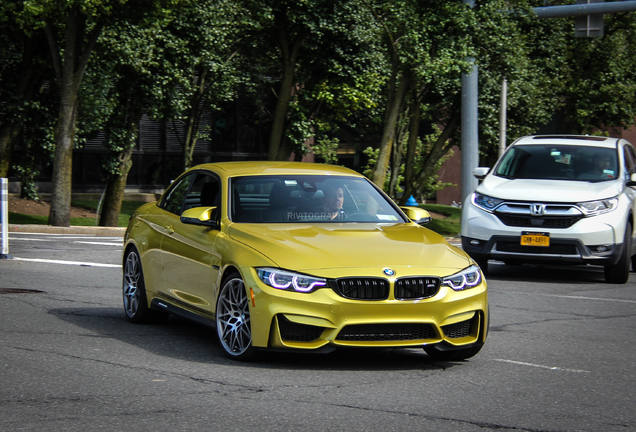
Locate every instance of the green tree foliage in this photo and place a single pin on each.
(317, 57)
(374, 73)
(23, 95)
(204, 42)
(426, 44)
(601, 77)
(72, 30)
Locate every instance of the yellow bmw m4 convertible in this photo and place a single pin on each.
(298, 256)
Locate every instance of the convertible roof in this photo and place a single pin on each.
(265, 168)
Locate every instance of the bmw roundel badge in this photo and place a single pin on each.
(389, 272)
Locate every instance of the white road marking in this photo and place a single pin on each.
(77, 263)
(64, 236)
(30, 239)
(83, 242)
(542, 366)
(100, 243)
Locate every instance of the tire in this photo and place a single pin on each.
(452, 355)
(134, 292)
(619, 273)
(233, 326)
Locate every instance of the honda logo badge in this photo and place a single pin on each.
(537, 209)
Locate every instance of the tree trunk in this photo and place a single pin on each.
(194, 120)
(440, 148)
(60, 214)
(394, 106)
(116, 185)
(115, 188)
(289, 51)
(69, 72)
(411, 148)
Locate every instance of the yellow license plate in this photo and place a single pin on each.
(535, 239)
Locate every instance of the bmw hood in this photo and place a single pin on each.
(307, 248)
(548, 190)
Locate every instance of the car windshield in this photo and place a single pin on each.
(559, 162)
(308, 198)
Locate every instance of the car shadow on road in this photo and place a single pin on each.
(184, 340)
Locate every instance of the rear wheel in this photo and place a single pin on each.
(233, 325)
(619, 273)
(134, 291)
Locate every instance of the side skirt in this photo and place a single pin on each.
(164, 306)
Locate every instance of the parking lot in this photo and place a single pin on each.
(560, 357)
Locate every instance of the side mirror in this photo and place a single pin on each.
(481, 172)
(632, 181)
(417, 215)
(203, 216)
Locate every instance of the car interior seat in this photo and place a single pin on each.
(279, 204)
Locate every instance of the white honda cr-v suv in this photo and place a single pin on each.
(558, 199)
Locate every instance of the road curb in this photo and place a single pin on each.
(47, 229)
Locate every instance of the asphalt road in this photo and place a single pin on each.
(560, 357)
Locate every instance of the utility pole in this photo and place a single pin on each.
(470, 125)
(503, 111)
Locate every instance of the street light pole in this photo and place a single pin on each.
(470, 131)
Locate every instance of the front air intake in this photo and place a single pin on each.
(386, 332)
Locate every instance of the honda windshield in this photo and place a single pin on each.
(559, 162)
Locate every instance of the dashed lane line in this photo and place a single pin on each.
(554, 368)
(100, 243)
(76, 263)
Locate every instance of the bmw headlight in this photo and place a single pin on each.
(286, 280)
(467, 278)
(485, 202)
(594, 208)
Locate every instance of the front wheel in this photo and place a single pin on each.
(619, 273)
(233, 325)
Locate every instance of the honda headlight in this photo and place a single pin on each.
(485, 202)
(594, 208)
(290, 281)
(467, 278)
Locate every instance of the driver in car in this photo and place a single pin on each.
(332, 202)
(601, 168)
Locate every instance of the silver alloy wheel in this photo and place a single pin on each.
(132, 292)
(233, 318)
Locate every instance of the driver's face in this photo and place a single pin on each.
(333, 199)
(602, 162)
